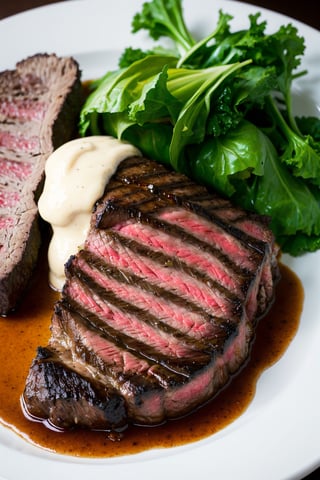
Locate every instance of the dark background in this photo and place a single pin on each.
(307, 12)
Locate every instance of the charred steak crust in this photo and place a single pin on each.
(160, 305)
(39, 105)
(60, 387)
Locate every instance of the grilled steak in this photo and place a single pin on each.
(39, 104)
(159, 308)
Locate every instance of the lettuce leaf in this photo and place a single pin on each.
(220, 110)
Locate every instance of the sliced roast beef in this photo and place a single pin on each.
(39, 104)
(160, 305)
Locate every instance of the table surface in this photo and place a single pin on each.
(308, 15)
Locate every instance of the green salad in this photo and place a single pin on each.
(219, 109)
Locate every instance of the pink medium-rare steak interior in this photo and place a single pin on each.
(39, 104)
(159, 307)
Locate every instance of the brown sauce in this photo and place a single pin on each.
(20, 334)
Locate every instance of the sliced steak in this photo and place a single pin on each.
(39, 106)
(160, 305)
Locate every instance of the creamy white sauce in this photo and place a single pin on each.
(76, 176)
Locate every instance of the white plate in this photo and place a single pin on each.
(277, 437)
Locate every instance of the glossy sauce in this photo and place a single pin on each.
(23, 332)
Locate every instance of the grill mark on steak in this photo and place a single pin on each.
(237, 252)
(158, 235)
(195, 198)
(143, 206)
(184, 316)
(78, 328)
(129, 316)
(176, 186)
(129, 320)
(123, 373)
(157, 268)
(113, 304)
(114, 354)
(39, 104)
(151, 394)
(230, 240)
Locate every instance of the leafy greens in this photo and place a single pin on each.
(219, 110)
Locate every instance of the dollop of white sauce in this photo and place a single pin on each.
(76, 175)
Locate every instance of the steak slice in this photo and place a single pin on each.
(161, 303)
(39, 105)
